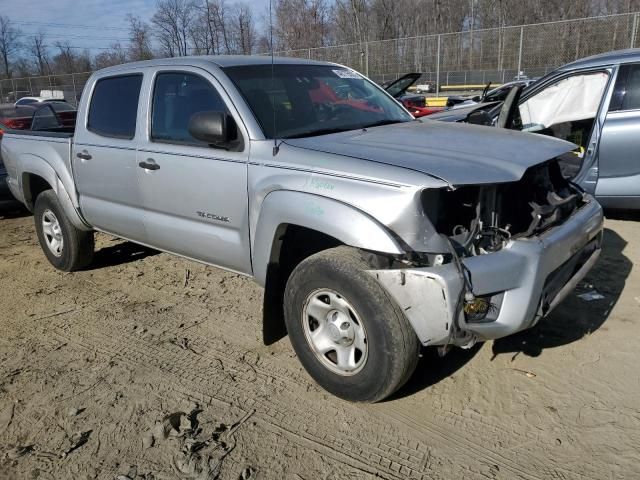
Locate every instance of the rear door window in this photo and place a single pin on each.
(114, 106)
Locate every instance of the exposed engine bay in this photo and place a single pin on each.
(481, 219)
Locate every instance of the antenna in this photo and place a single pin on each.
(276, 148)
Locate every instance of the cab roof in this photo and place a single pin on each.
(610, 58)
(218, 60)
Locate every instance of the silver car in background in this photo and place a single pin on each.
(593, 103)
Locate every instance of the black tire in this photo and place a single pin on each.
(77, 245)
(392, 345)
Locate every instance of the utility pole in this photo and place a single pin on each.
(438, 69)
(366, 58)
(520, 51)
(471, 25)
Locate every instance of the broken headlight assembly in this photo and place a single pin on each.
(481, 219)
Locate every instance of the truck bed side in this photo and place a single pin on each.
(36, 161)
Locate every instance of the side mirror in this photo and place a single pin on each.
(479, 117)
(477, 98)
(215, 128)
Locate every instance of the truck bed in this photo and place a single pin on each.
(41, 133)
(46, 154)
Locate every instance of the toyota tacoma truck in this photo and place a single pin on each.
(373, 233)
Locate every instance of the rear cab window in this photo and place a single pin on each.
(114, 106)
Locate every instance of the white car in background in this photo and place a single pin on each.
(34, 100)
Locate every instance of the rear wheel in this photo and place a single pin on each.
(66, 247)
(348, 333)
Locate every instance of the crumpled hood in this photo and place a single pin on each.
(460, 154)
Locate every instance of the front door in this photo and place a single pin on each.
(195, 195)
(568, 107)
(104, 157)
(619, 182)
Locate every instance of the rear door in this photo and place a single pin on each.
(104, 157)
(619, 162)
(195, 195)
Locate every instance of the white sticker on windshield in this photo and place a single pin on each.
(346, 74)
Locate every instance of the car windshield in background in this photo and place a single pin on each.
(61, 106)
(309, 100)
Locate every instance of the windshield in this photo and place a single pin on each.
(309, 100)
(61, 106)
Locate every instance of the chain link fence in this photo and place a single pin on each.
(473, 57)
(479, 56)
(68, 86)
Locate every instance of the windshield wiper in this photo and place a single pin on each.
(380, 123)
(322, 131)
(327, 131)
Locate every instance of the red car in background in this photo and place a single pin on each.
(17, 118)
(38, 116)
(50, 116)
(324, 93)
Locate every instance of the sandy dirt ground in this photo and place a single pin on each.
(147, 366)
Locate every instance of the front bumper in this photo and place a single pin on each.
(528, 278)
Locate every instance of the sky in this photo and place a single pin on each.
(92, 24)
(83, 23)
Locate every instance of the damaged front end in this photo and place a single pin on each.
(482, 219)
(514, 250)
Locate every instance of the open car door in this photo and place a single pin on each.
(507, 113)
(399, 87)
(566, 108)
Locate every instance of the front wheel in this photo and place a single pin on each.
(348, 333)
(66, 247)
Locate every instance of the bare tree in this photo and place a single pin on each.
(64, 60)
(302, 24)
(116, 55)
(37, 48)
(9, 43)
(67, 61)
(214, 19)
(243, 30)
(173, 22)
(139, 39)
(22, 67)
(200, 37)
(352, 21)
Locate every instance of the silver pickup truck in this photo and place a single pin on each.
(372, 232)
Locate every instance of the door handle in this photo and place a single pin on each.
(149, 164)
(84, 155)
